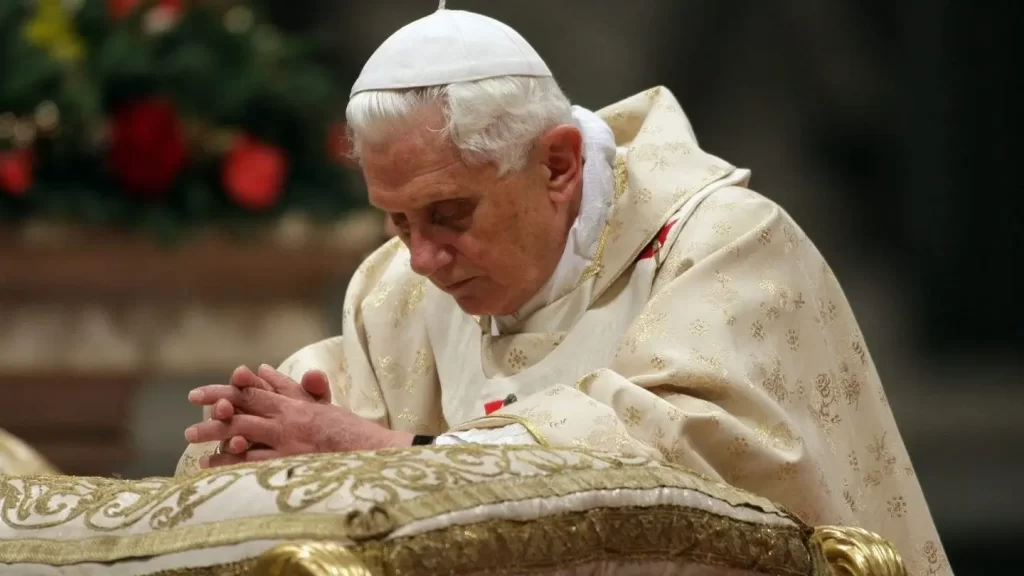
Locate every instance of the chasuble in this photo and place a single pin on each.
(706, 331)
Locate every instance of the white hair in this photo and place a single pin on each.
(493, 120)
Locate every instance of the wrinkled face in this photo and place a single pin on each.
(490, 242)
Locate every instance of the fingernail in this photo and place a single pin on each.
(265, 367)
(195, 396)
(191, 433)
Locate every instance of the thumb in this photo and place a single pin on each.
(316, 384)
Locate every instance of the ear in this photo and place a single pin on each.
(561, 154)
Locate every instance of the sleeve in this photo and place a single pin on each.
(380, 368)
(717, 372)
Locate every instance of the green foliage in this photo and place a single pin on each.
(227, 71)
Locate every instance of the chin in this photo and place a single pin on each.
(482, 305)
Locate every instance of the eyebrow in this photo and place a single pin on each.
(433, 197)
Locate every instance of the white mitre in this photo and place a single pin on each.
(446, 47)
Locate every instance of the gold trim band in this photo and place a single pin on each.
(649, 534)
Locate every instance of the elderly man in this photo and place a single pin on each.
(563, 277)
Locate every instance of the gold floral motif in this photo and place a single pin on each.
(516, 359)
(643, 328)
(393, 375)
(659, 155)
(883, 456)
(849, 385)
(858, 348)
(642, 196)
(786, 472)
(896, 506)
(699, 328)
(779, 437)
(413, 292)
(827, 311)
(786, 303)
(380, 294)
(764, 235)
(853, 461)
(853, 500)
(773, 381)
(544, 418)
(721, 296)
(414, 421)
(738, 447)
(632, 416)
(658, 362)
(793, 238)
(823, 410)
(931, 559)
(722, 227)
(793, 339)
(757, 330)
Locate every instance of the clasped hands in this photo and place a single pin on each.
(266, 415)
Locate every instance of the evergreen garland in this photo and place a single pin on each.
(165, 114)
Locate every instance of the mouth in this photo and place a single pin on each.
(455, 286)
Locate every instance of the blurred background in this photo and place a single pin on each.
(884, 128)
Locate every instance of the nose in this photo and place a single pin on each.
(427, 256)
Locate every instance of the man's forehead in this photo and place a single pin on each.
(400, 183)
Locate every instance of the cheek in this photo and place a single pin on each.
(495, 257)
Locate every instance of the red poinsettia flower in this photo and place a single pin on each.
(118, 9)
(147, 146)
(253, 173)
(16, 171)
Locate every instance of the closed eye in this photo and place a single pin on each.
(452, 213)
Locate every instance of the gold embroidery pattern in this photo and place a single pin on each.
(413, 292)
(567, 540)
(643, 329)
(931, 560)
(368, 495)
(560, 542)
(779, 437)
(632, 416)
(516, 359)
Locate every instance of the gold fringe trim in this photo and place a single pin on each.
(650, 534)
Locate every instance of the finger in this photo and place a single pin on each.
(207, 395)
(218, 460)
(316, 384)
(235, 445)
(282, 383)
(243, 377)
(252, 428)
(245, 400)
(222, 410)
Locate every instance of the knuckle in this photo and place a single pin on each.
(248, 395)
